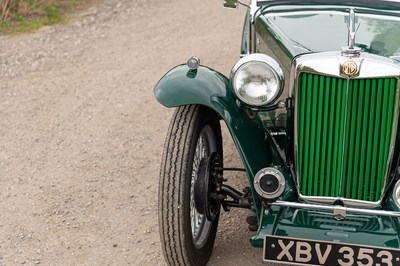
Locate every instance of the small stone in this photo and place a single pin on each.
(115, 245)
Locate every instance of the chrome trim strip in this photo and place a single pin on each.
(328, 64)
(333, 208)
(282, 133)
(347, 202)
(253, 10)
(389, 4)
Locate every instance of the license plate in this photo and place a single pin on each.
(310, 252)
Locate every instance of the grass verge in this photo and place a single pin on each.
(18, 16)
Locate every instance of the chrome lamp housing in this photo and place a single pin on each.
(257, 80)
(396, 194)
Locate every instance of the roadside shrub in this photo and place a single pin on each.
(6, 6)
(14, 9)
(28, 15)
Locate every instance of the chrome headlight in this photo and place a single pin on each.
(257, 79)
(396, 194)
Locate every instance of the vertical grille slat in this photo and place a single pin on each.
(381, 167)
(311, 174)
(349, 140)
(344, 133)
(376, 139)
(364, 137)
(324, 144)
(308, 135)
(318, 181)
(358, 139)
(341, 92)
(302, 141)
(330, 185)
(335, 143)
(369, 139)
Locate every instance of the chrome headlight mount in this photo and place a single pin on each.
(257, 80)
(396, 194)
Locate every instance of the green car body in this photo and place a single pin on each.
(318, 137)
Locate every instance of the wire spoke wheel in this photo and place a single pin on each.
(206, 144)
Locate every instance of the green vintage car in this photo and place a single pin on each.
(312, 106)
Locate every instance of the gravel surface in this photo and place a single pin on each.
(81, 134)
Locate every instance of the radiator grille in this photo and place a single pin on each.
(344, 133)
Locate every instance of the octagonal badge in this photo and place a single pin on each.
(349, 68)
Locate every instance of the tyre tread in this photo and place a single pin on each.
(174, 148)
(176, 161)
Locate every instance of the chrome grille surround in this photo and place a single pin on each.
(329, 64)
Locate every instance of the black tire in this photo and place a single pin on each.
(191, 126)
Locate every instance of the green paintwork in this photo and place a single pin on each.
(327, 31)
(231, 4)
(356, 165)
(207, 87)
(381, 231)
(283, 36)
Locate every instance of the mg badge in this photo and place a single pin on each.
(350, 68)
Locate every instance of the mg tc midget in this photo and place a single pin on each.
(312, 106)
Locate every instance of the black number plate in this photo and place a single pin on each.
(310, 252)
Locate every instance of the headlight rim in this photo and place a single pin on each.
(271, 63)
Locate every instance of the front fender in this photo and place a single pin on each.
(182, 86)
(207, 87)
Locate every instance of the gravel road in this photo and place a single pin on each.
(81, 134)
